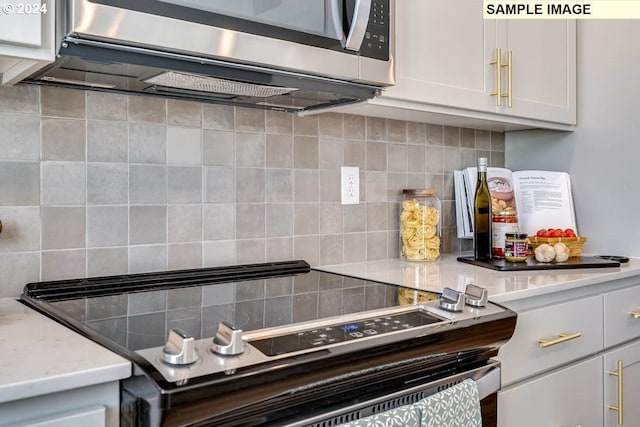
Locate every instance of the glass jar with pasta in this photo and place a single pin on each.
(420, 228)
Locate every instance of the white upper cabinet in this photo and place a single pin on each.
(444, 72)
(440, 54)
(543, 68)
(26, 38)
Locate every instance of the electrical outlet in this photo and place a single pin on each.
(350, 185)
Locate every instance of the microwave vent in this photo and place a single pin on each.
(215, 85)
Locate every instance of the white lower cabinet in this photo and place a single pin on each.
(574, 359)
(92, 406)
(568, 397)
(622, 368)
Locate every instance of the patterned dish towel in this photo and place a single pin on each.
(457, 406)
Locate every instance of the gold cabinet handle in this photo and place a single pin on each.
(618, 408)
(509, 79)
(498, 63)
(635, 314)
(499, 66)
(561, 338)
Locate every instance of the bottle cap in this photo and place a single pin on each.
(482, 161)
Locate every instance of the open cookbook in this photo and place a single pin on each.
(542, 199)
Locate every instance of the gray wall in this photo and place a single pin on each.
(603, 154)
(100, 184)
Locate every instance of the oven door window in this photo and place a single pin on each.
(325, 24)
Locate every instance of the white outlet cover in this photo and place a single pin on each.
(350, 185)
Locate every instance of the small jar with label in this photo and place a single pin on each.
(420, 228)
(502, 222)
(516, 247)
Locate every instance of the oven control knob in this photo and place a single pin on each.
(180, 348)
(228, 340)
(476, 296)
(452, 300)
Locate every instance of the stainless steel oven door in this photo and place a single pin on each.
(330, 38)
(487, 379)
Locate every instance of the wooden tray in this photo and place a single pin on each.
(532, 264)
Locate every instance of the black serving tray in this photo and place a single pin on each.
(532, 264)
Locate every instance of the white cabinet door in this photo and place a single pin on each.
(21, 22)
(440, 53)
(543, 68)
(27, 33)
(443, 55)
(628, 397)
(95, 417)
(567, 397)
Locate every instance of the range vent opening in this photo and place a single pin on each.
(198, 83)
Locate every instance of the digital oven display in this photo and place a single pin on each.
(333, 334)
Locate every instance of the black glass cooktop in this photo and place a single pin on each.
(138, 311)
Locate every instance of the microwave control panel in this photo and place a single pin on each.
(376, 39)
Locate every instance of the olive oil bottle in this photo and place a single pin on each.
(482, 214)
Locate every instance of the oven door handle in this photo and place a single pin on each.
(489, 383)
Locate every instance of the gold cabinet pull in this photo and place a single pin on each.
(498, 63)
(635, 314)
(561, 338)
(509, 79)
(618, 408)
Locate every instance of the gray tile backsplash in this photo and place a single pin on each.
(102, 184)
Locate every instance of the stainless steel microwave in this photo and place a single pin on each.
(284, 54)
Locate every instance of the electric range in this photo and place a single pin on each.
(271, 344)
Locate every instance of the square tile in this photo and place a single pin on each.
(305, 219)
(107, 183)
(250, 120)
(147, 224)
(279, 185)
(219, 185)
(60, 102)
(279, 151)
(279, 122)
(20, 229)
(20, 136)
(218, 253)
(250, 149)
(18, 269)
(219, 221)
(64, 183)
(147, 109)
(107, 226)
(147, 258)
(63, 227)
(218, 117)
(20, 183)
(185, 223)
(22, 99)
(106, 106)
(184, 184)
(63, 264)
(147, 144)
(107, 262)
(185, 256)
(250, 185)
(184, 146)
(147, 184)
(218, 148)
(250, 220)
(184, 113)
(107, 141)
(279, 221)
(305, 152)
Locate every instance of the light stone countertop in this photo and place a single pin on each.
(503, 286)
(40, 356)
